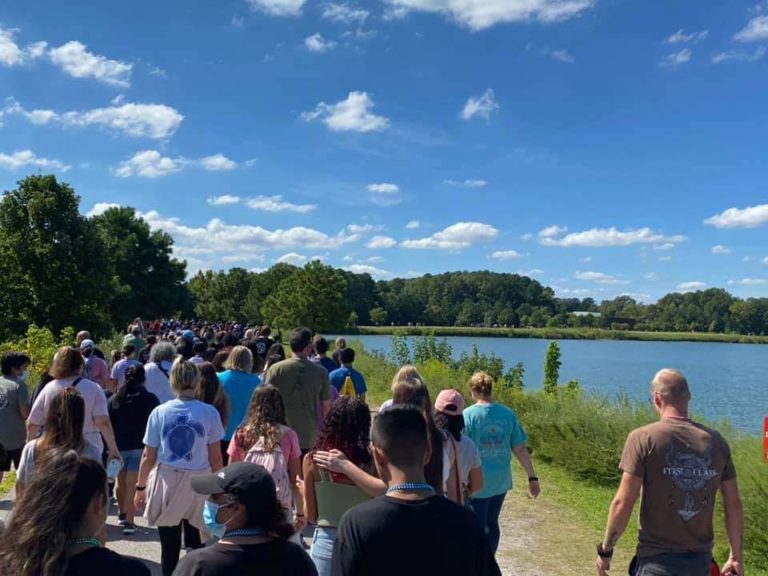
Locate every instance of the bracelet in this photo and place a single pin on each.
(533, 479)
(140, 488)
(603, 553)
(299, 515)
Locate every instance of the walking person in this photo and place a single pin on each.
(158, 371)
(327, 495)
(243, 509)
(65, 369)
(14, 408)
(497, 433)
(679, 466)
(407, 372)
(320, 345)
(129, 410)
(302, 384)
(339, 376)
(239, 383)
(182, 440)
(95, 368)
(209, 390)
(410, 531)
(57, 526)
(127, 358)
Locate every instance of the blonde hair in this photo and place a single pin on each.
(241, 358)
(481, 384)
(66, 363)
(184, 376)
(407, 372)
(671, 385)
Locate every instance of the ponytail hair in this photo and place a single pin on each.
(134, 381)
(50, 512)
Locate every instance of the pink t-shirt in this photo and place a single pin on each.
(95, 405)
(289, 444)
(98, 371)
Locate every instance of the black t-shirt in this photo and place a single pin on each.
(262, 346)
(102, 561)
(277, 558)
(388, 536)
(129, 420)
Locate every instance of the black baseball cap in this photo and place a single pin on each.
(251, 484)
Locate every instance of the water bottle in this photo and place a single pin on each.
(113, 468)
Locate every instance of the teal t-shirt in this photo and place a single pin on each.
(239, 387)
(495, 430)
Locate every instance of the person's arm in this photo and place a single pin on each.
(22, 399)
(236, 454)
(734, 526)
(325, 408)
(104, 425)
(524, 457)
(148, 461)
(36, 416)
(336, 461)
(618, 516)
(475, 481)
(294, 469)
(310, 498)
(214, 456)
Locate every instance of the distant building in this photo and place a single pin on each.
(581, 313)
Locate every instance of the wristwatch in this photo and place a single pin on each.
(603, 553)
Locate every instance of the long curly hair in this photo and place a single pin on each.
(266, 414)
(348, 428)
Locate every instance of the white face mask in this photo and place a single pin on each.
(24, 376)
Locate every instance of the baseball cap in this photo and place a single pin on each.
(188, 335)
(450, 402)
(251, 484)
(87, 345)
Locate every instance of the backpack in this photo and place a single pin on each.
(277, 465)
(348, 388)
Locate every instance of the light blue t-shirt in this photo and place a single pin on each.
(339, 375)
(181, 430)
(239, 386)
(495, 430)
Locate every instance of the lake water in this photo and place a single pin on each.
(728, 381)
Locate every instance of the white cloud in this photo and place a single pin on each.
(377, 273)
(562, 56)
(363, 228)
(25, 158)
(691, 286)
(665, 258)
(531, 273)
(277, 7)
(100, 207)
(277, 204)
(351, 115)
(413, 225)
(504, 255)
(74, 59)
(765, 260)
(750, 217)
(217, 163)
(471, 183)
(526, 237)
(586, 259)
(155, 121)
(149, 164)
(482, 106)
(651, 276)
(604, 237)
(749, 282)
(238, 22)
(384, 188)
(223, 200)
(740, 55)
(381, 242)
(12, 55)
(677, 58)
(375, 259)
(455, 237)
(755, 30)
(665, 246)
(720, 249)
(680, 37)
(482, 14)
(599, 278)
(639, 297)
(344, 13)
(292, 258)
(316, 43)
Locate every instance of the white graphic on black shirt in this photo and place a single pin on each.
(691, 473)
(3, 400)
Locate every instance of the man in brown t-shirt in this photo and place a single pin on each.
(680, 465)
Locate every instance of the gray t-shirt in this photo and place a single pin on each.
(13, 396)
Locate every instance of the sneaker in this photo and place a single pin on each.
(121, 520)
(129, 529)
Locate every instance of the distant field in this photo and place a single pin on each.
(564, 334)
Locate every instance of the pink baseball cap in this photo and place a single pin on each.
(450, 402)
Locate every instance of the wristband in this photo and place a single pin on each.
(140, 488)
(603, 553)
(533, 479)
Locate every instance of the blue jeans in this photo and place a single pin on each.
(487, 511)
(322, 549)
(686, 564)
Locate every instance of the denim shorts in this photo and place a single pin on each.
(131, 459)
(322, 549)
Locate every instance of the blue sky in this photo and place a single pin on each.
(603, 147)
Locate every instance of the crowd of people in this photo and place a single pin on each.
(233, 450)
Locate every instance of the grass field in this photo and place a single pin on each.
(563, 334)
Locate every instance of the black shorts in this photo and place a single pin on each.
(13, 456)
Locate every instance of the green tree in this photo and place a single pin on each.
(55, 269)
(552, 368)
(514, 377)
(378, 316)
(313, 296)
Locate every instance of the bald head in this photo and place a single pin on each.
(83, 335)
(672, 386)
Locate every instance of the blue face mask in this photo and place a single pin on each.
(210, 512)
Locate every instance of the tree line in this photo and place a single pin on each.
(60, 268)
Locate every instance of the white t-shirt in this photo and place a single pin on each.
(120, 367)
(95, 405)
(467, 455)
(386, 406)
(157, 382)
(27, 460)
(181, 430)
